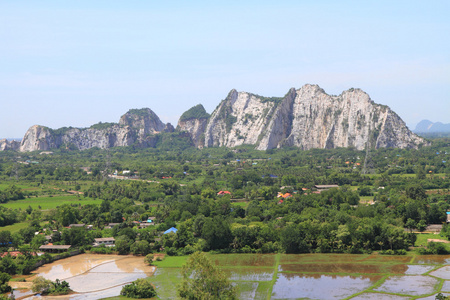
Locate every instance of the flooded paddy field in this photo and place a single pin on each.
(94, 276)
(269, 276)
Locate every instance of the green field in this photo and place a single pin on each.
(423, 237)
(22, 186)
(14, 227)
(50, 202)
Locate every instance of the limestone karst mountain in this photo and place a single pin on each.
(136, 126)
(305, 118)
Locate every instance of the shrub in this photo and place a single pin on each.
(149, 259)
(46, 286)
(140, 288)
(4, 279)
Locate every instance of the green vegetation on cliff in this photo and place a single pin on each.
(196, 112)
(102, 125)
(142, 112)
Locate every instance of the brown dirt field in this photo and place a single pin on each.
(438, 241)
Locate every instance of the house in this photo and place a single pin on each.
(284, 196)
(326, 187)
(286, 187)
(173, 229)
(48, 239)
(448, 217)
(15, 253)
(436, 228)
(143, 225)
(108, 242)
(76, 225)
(54, 248)
(222, 193)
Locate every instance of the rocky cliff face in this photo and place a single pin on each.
(135, 127)
(242, 118)
(194, 122)
(9, 145)
(307, 118)
(144, 120)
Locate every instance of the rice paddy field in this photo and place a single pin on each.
(321, 276)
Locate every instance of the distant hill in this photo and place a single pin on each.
(426, 126)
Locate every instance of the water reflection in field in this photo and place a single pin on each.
(294, 286)
(253, 274)
(342, 258)
(432, 259)
(344, 268)
(309, 276)
(251, 260)
(418, 269)
(409, 285)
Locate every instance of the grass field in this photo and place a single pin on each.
(50, 202)
(423, 237)
(15, 227)
(241, 204)
(22, 186)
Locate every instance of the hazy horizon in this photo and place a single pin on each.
(78, 63)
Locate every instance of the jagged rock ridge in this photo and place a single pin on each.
(137, 126)
(9, 145)
(306, 118)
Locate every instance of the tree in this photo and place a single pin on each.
(203, 280)
(422, 225)
(4, 279)
(149, 259)
(292, 239)
(41, 285)
(416, 192)
(440, 296)
(37, 241)
(140, 288)
(75, 236)
(123, 244)
(217, 233)
(66, 215)
(7, 265)
(411, 224)
(140, 248)
(184, 236)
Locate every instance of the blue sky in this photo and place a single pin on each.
(75, 63)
